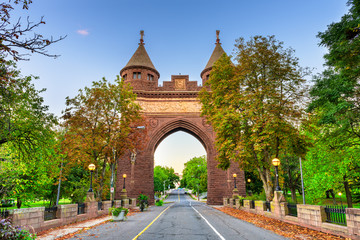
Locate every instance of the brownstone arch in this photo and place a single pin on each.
(169, 108)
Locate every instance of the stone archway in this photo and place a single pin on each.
(169, 108)
(166, 113)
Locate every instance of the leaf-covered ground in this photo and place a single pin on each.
(284, 229)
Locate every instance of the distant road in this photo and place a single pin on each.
(182, 219)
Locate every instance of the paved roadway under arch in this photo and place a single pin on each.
(183, 219)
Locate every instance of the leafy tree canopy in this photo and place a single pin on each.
(195, 174)
(256, 105)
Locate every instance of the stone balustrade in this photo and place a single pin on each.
(310, 216)
(33, 218)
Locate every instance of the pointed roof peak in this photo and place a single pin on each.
(141, 37)
(217, 53)
(141, 58)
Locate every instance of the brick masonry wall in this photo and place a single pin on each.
(30, 218)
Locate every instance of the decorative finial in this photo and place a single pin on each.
(142, 37)
(217, 36)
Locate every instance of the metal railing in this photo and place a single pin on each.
(252, 204)
(81, 208)
(268, 206)
(292, 209)
(335, 214)
(50, 213)
(4, 213)
(100, 206)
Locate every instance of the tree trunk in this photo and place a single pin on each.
(348, 193)
(18, 202)
(267, 183)
(293, 194)
(102, 177)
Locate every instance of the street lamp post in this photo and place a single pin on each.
(235, 191)
(123, 191)
(234, 175)
(276, 163)
(124, 176)
(91, 168)
(340, 198)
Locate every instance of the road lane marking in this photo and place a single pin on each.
(150, 223)
(221, 237)
(179, 195)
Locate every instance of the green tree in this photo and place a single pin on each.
(256, 106)
(195, 174)
(336, 92)
(164, 174)
(100, 123)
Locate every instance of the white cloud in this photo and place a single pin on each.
(83, 32)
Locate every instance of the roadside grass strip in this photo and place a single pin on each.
(136, 237)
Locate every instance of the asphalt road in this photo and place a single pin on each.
(182, 218)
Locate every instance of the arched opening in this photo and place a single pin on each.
(171, 154)
(141, 171)
(176, 149)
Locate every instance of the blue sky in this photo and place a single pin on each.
(179, 37)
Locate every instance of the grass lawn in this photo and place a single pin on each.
(323, 201)
(40, 203)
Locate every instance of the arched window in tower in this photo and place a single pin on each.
(207, 77)
(136, 75)
(124, 76)
(150, 77)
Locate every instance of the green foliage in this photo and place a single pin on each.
(10, 232)
(159, 203)
(255, 185)
(195, 174)
(166, 174)
(143, 197)
(255, 106)
(335, 109)
(99, 123)
(259, 196)
(116, 211)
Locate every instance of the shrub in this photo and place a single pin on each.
(116, 211)
(10, 232)
(159, 203)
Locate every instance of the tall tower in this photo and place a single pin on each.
(216, 54)
(140, 71)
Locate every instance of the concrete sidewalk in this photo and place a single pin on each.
(72, 228)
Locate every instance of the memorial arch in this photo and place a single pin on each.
(169, 108)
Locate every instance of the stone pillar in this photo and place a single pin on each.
(117, 203)
(260, 206)
(311, 214)
(132, 202)
(284, 209)
(123, 194)
(225, 202)
(278, 198)
(90, 197)
(91, 209)
(30, 218)
(67, 213)
(247, 204)
(106, 205)
(353, 222)
(125, 203)
(237, 203)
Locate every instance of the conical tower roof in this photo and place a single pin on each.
(140, 58)
(217, 53)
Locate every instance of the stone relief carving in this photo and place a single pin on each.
(153, 122)
(169, 106)
(180, 84)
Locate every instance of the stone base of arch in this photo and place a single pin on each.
(140, 173)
